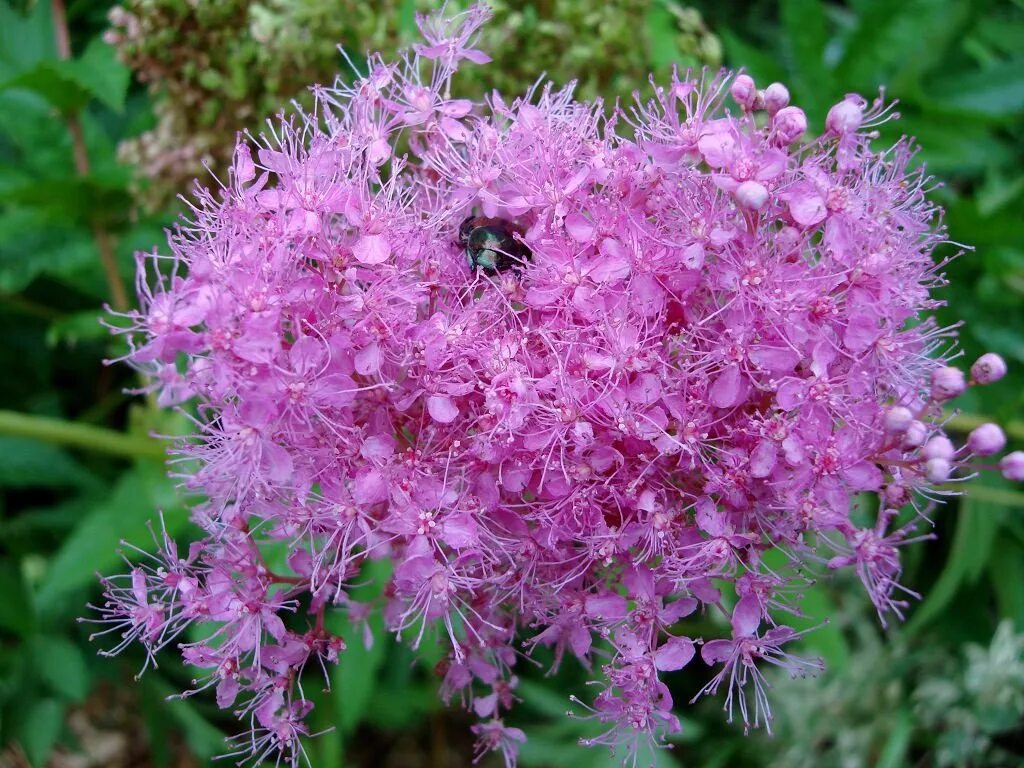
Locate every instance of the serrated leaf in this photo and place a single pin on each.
(100, 73)
(61, 665)
(33, 244)
(93, 545)
(70, 84)
(52, 80)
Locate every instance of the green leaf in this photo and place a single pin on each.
(977, 526)
(203, 739)
(895, 752)
(100, 73)
(996, 91)
(354, 677)
(54, 81)
(661, 31)
(77, 327)
(16, 611)
(33, 244)
(93, 545)
(61, 664)
(762, 65)
(804, 38)
(24, 41)
(69, 85)
(896, 42)
(1006, 574)
(407, 19)
(36, 728)
(28, 463)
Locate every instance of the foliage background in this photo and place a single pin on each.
(79, 472)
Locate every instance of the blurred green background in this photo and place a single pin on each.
(106, 114)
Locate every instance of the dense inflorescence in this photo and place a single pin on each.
(712, 341)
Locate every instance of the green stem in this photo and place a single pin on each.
(965, 422)
(84, 436)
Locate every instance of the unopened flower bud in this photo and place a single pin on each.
(776, 96)
(743, 91)
(939, 447)
(937, 470)
(986, 440)
(751, 195)
(1012, 466)
(915, 435)
(948, 382)
(988, 368)
(790, 124)
(896, 495)
(898, 419)
(846, 116)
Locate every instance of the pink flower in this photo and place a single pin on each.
(710, 341)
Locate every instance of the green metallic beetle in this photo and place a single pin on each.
(491, 244)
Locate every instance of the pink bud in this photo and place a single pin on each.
(790, 124)
(776, 96)
(939, 447)
(898, 419)
(988, 368)
(744, 92)
(896, 495)
(937, 470)
(916, 434)
(846, 116)
(1012, 466)
(948, 382)
(752, 195)
(986, 440)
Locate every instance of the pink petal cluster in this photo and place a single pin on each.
(716, 346)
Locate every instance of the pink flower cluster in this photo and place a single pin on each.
(716, 344)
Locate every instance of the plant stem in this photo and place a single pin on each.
(104, 244)
(84, 436)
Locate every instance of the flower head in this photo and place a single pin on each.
(709, 342)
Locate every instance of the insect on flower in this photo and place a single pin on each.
(492, 244)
